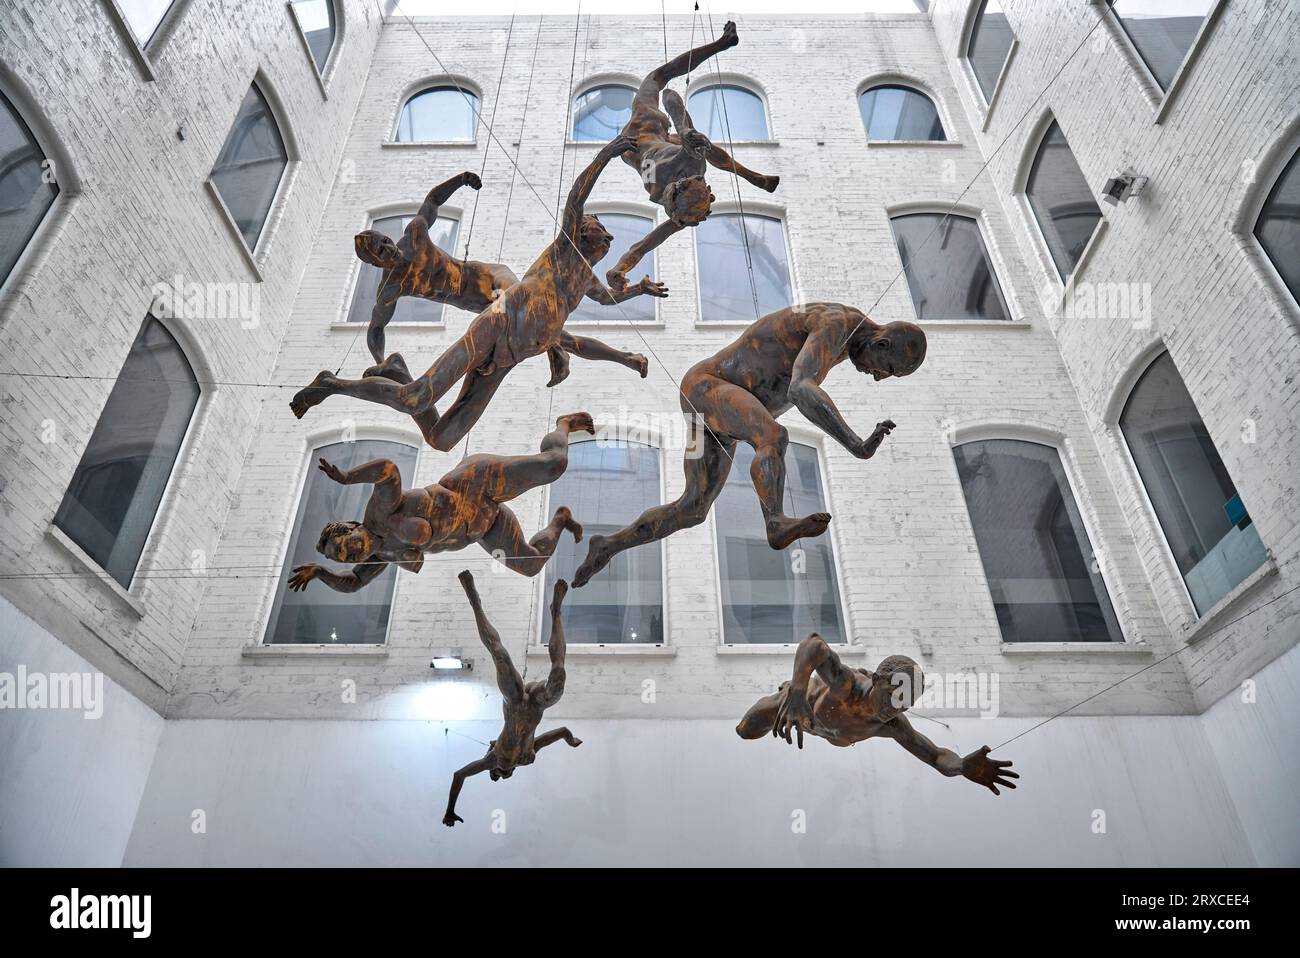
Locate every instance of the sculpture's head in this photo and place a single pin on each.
(896, 685)
(375, 248)
(895, 349)
(345, 542)
(594, 239)
(688, 201)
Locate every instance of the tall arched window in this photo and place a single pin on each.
(607, 485)
(1278, 226)
(251, 164)
(1037, 557)
(409, 309)
(989, 46)
(891, 111)
(316, 19)
(440, 114)
(1208, 529)
(27, 186)
(318, 614)
(727, 112)
(770, 595)
(1066, 212)
(113, 498)
(627, 229)
(599, 113)
(948, 270)
(726, 245)
(1162, 32)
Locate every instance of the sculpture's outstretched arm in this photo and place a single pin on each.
(617, 277)
(813, 655)
(571, 225)
(385, 475)
(450, 817)
(380, 316)
(811, 366)
(608, 297)
(553, 736)
(443, 192)
(361, 575)
(976, 766)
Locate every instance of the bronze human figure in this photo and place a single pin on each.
(525, 320)
(466, 505)
(844, 706)
(777, 363)
(522, 705)
(672, 164)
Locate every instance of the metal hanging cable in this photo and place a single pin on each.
(510, 32)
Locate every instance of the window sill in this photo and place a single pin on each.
(1204, 626)
(316, 651)
(223, 214)
(905, 144)
(428, 144)
(783, 648)
(79, 555)
(974, 323)
(599, 143)
(354, 327)
(1073, 648)
(615, 323)
(613, 648)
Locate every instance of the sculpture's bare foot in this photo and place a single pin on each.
(314, 393)
(576, 422)
(394, 368)
(729, 38)
(598, 556)
(783, 530)
(565, 518)
(642, 365)
(770, 183)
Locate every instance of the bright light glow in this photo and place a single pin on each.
(448, 662)
(445, 701)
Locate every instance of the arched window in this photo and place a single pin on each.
(770, 595)
(251, 165)
(409, 309)
(607, 485)
(1162, 32)
(1037, 557)
(947, 267)
(316, 19)
(894, 112)
(318, 614)
(27, 186)
(1209, 532)
(627, 229)
(1066, 212)
(989, 46)
(726, 293)
(440, 114)
(599, 113)
(113, 498)
(143, 17)
(726, 112)
(1278, 226)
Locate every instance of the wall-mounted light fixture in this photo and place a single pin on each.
(450, 663)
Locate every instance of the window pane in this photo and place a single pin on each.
(1036, 553)
(725, 113)
(143, 17)
(441, 115)
(1067, 214)
(1209, 532)
(316, 17)
(24, 195)
(318, 614)
(607, 485)
(409, 309)
(1162, 31)
(763, 599)
(897, 113)
(111, 502)
(725, 291)
(249, 168)
(600, 113)
(627, 230)
(947, 267)
(1278, 227)
(990, 42)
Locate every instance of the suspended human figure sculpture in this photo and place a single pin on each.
(672, 164)
(522, 705)
(845, 706)
(737, 394)
(466, 505)
(525, 320)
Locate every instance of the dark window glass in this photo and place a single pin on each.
(250, 166)
(726, 294)
(898, 113)
(27, 190)
(440, 115)
(1163, 32)
(770, 595)
(316, 17)
(990, 43)
(947, 267)
(409, 309)
(1037, 557)
(143, 17)
(113, 498)
(1067, 214)
(601, 112)
(1208, 529)
(627, 230)
(318, 614)
(1278, 226)
(724, 113)
(607, 485)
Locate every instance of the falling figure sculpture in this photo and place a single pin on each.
(777, 363)
(522, 705)
(845, 706)
(466, 505)
(525, 320)
(672, 164)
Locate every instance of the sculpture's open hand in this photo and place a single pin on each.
(650, 288)
(794, 715)
(618, 146)
(333, 471)
(695, 142)
(989, 772)
(451, 818)
(616, 281)
(302, 575)
(867, 448)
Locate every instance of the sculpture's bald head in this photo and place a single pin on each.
(688, 201)
(375, 248)
(895, 349)
(896, 686)
(344, 542)
(594, 239)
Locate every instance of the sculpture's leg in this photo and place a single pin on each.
(584, 347)
(475, 393)
(512, 476)
(675, 107)
(509, 680)
(723, 160)
(505, 540)
(761, 717)
(681, 65)
(554, 687)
